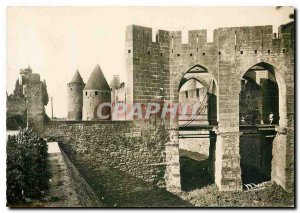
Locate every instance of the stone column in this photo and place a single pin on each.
(282, 165)
(172, 175)
(227, 165)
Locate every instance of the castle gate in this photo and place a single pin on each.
(160, 68)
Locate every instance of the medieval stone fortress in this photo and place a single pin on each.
(242, 136)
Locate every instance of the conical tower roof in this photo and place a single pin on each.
(77, 78)
(97, 80)
(115, 82)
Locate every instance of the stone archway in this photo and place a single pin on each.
(172, 175)
(282, 90)
(276, 163)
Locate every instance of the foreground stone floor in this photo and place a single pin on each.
(118, 189)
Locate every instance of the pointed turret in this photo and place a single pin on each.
(115, 82)
(95, 93)
(75, 99)
(77, 78)
(97, 80)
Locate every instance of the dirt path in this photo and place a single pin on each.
(62, 192)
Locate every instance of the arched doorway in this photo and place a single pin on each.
(258, 118)
(197, 115)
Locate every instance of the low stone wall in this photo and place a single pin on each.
(85, 193)
(135, 147)
(67, 187)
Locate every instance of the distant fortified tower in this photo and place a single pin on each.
(26, 106)
(114, 85)
(75, 100)
(95, 92)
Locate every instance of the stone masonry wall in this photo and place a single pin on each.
(15, 107)
(147, 64)
(137, 148)
(34, 106)
(233, 51)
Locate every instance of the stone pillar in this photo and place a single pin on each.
(290, 160)
(282, 161)
(227, 165)
(172, 175)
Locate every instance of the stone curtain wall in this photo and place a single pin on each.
(147, 65)
(137, 148)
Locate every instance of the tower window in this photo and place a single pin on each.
(203, 54)
(96, 92)
(129, 51)
(191, 54)
(71, 89)
(85, 93)
(255, 51)
(197, 92)
(241, 52)
(186, 94)
(284, 50)
(269, 51)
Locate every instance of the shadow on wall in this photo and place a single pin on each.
(194, 174)
(256, 157)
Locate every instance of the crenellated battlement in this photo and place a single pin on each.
(254, 38)
(150, 63)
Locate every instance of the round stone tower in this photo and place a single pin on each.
(96, 92)
(75, 100)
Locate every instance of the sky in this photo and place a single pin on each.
(56, 41)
